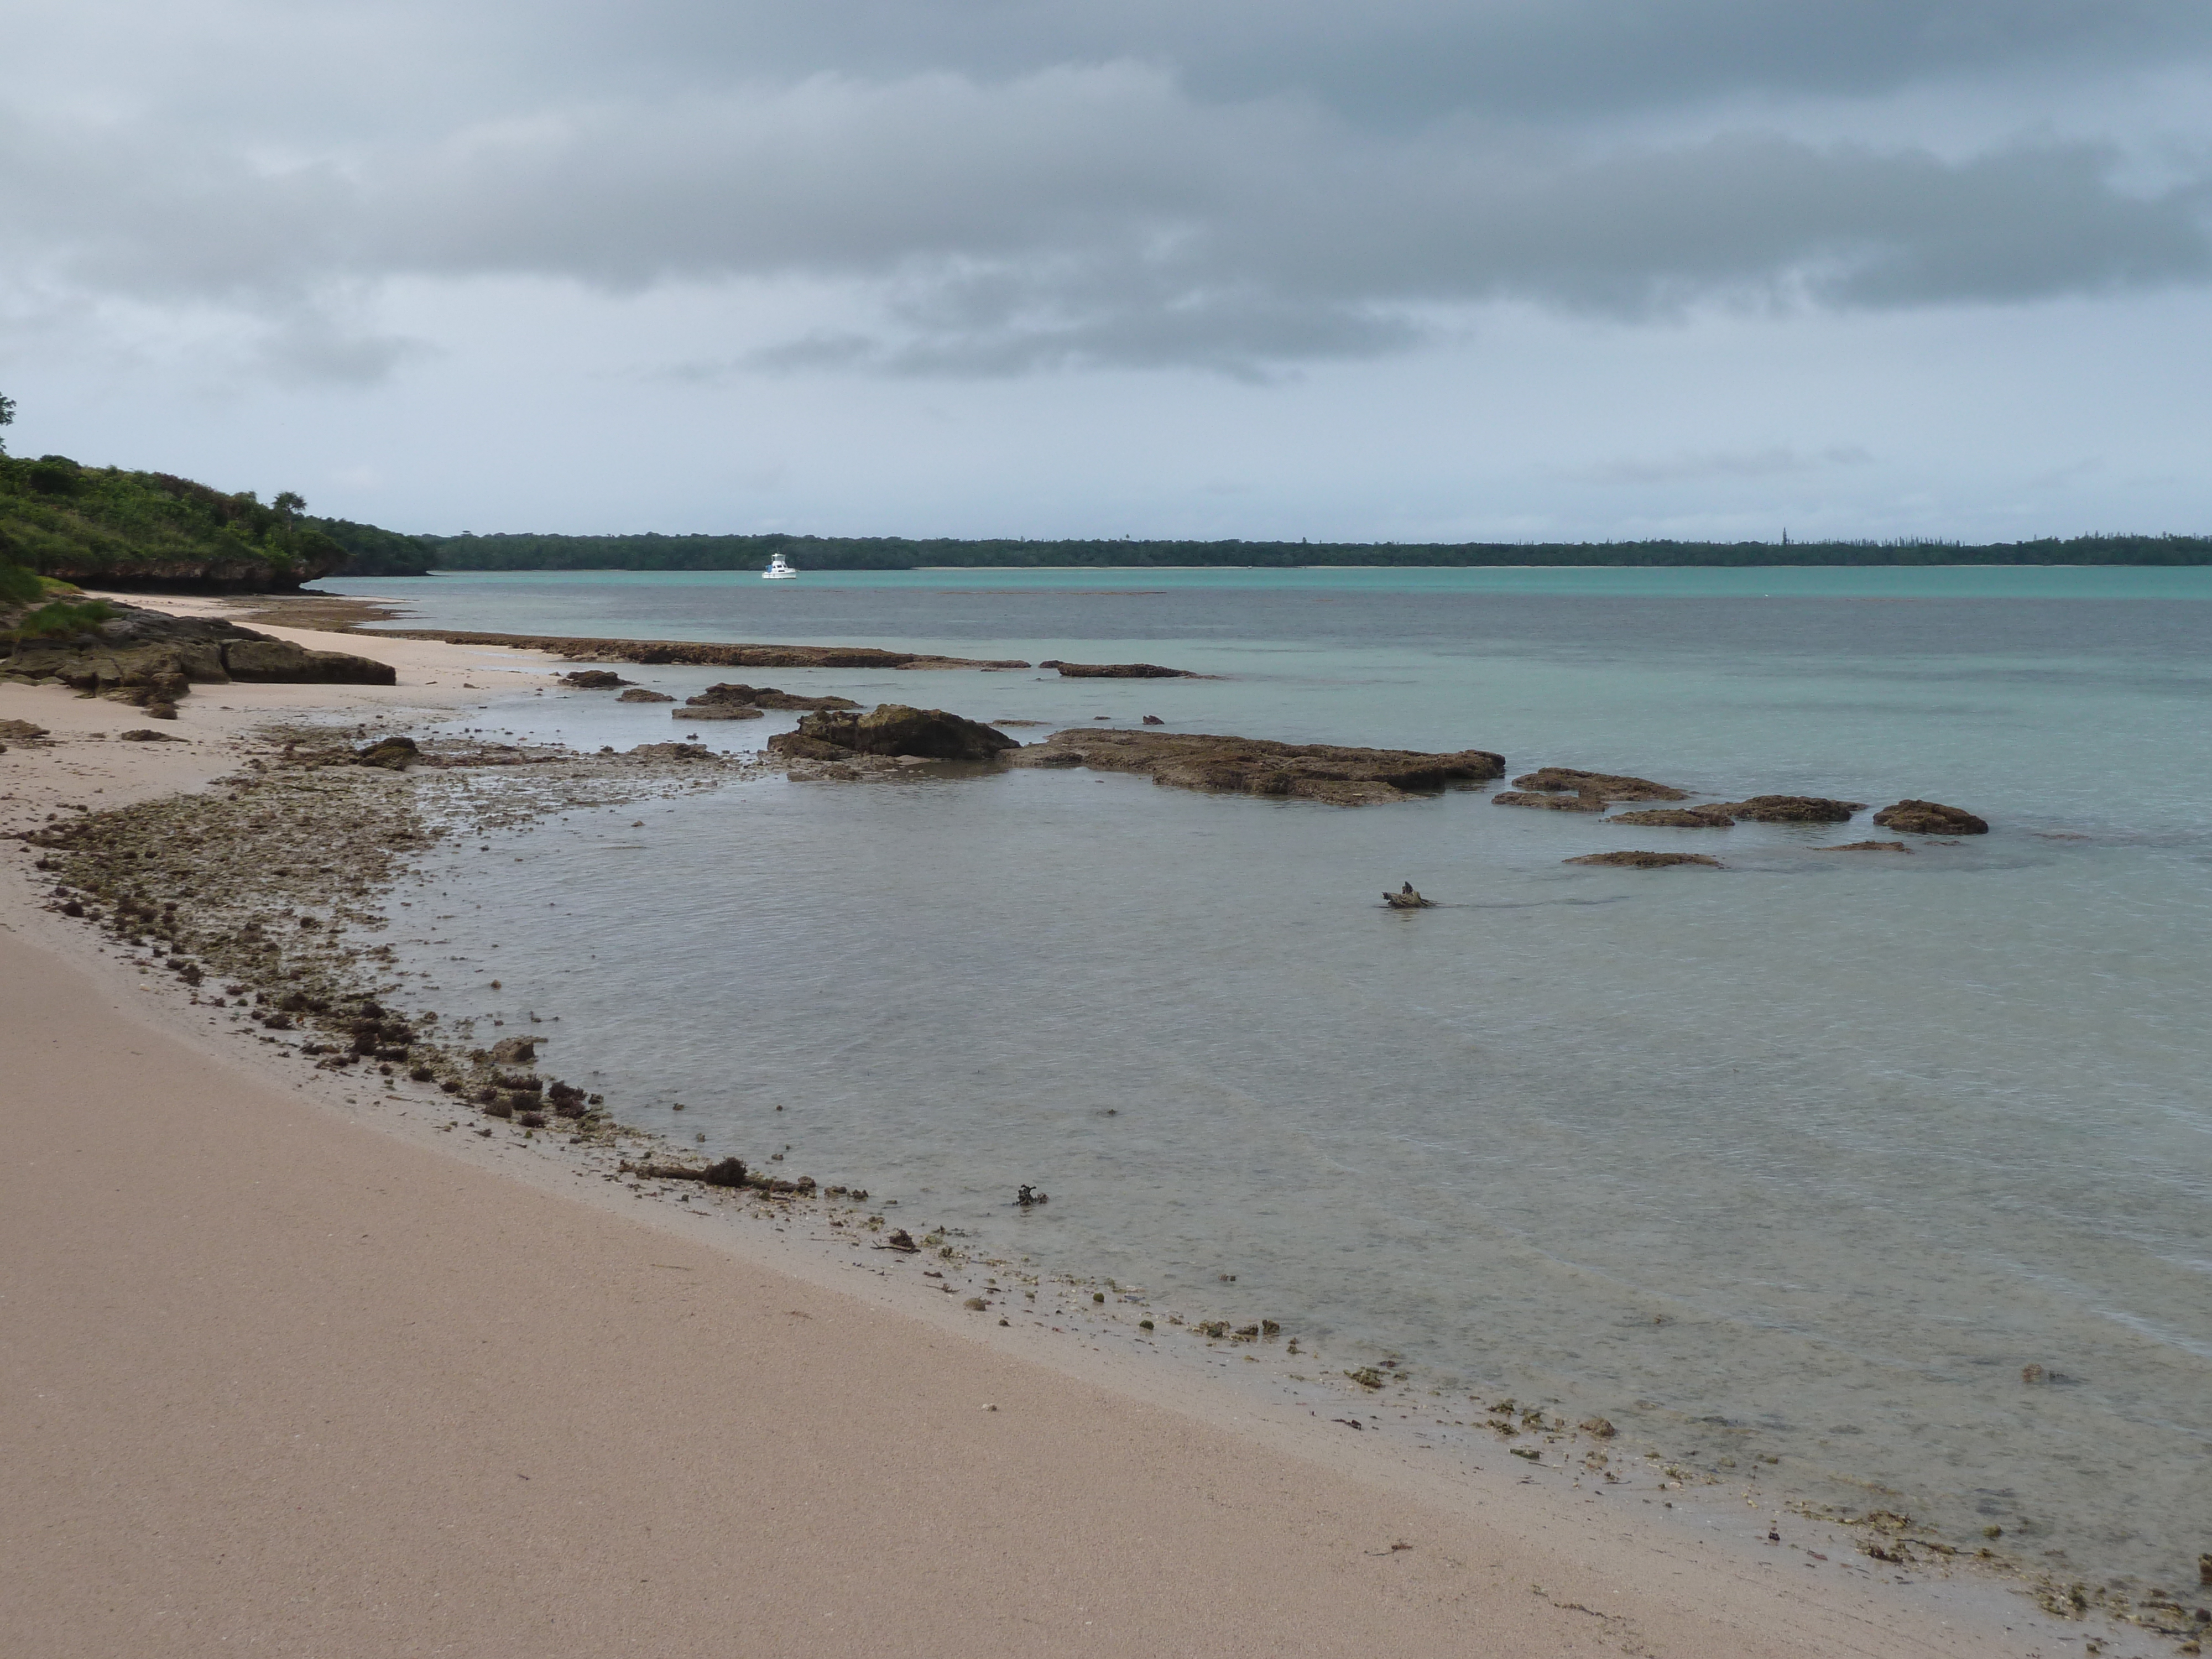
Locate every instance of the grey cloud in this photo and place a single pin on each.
(1075, 218)
(1398, 60)
(1777, 461)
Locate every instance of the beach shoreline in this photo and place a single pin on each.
(1682, 1589)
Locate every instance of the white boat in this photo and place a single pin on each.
(778, 567)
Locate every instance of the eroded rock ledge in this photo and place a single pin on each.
(1257, 766)
(151, 659)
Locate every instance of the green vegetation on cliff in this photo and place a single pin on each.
(655, 552)
(372, 552)
(108, 527)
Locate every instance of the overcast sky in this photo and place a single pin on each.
(1403, 270)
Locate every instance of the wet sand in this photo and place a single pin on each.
(297, 1376)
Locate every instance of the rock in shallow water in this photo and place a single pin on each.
(890, 728)
(1590, 802)
(1119, 671)
(1677, 817)
(1791, 809)
(1928, 817)
(1611, 786)
(764, 696)
(1255, 766)
(639, 694)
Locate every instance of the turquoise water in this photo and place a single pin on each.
(1806, 1157)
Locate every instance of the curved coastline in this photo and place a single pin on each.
(1752, 1620)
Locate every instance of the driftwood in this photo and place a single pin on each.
(1406, 899)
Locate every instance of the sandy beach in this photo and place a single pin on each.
(295, 1373)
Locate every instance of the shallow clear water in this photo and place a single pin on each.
(1824, 1146)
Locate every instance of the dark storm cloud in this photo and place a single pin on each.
(1014, 186)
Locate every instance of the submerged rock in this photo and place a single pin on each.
(1677, 817)
(764, 696)
(1866, 847)
(720, 711)
(1791, 809)
(1611, 786)
(890, 728)
(1258, 766)
(639, 694)
(1576, 803)
(1119, 671)
(1928, 817)
(1644, 860)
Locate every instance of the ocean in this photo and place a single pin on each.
(1806, 1158)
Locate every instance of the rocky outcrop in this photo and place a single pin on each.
(151, 659)
(720, 711)
(1118, 671)
(1791, 809)
(1928, 817)
(279, 662)
(892, 729)
(1257, 766)
(639, 694)
(765, 696)
(702, 653)
(1644, 860)
(1677, 817)
(593, 679)
(1609, 785)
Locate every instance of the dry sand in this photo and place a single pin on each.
(289, 1377)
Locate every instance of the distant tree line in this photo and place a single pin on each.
(659, 552)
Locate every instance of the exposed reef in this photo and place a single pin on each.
(702, 653)
(1255, 766)
(1644, 860)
